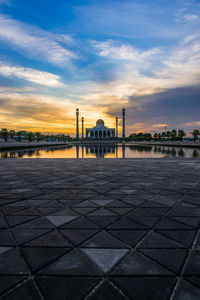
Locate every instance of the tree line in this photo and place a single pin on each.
(172, 135)
(32, 136)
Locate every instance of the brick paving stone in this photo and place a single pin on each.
(99, 229)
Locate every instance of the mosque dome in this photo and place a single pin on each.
(100, 122)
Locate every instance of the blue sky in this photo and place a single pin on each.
(99, 56)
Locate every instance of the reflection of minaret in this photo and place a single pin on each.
(82, 151)
(116, 150)
(116, 127)
(123, 123)
(77, 125)
(77, 151)
(82, 127)
(123, 150)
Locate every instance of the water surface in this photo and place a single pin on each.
(103, 151)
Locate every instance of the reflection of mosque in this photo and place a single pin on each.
(99, 151)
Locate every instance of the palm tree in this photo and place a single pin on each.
(31, 136)
(11, 133)
(168, 135)
(181, 134)
(163, 135)
(195, 133)
(173, 134)
(19, 133)
(38, 136)
(4, 134)
(155, 136)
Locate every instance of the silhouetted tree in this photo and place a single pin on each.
(11, 133)
(195, 134)
(181, 134)
(30, 136)
(19, 133)
(4, 134)
(38, 136)
(173, 134)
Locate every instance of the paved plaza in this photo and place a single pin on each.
(99, 229)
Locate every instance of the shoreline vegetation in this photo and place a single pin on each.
(10, 145)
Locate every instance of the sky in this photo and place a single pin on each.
(99, 56)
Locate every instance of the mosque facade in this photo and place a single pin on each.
(100, 131)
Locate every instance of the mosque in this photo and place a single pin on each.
(100, 131)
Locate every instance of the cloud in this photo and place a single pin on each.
(31, 75)
(159, 125)
(193, 124)
(190, 17)
(35, 42)
(168, 108)
(147, 72)
(123, 52)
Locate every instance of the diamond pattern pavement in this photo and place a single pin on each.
(100, 229)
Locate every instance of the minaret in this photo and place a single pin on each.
(117, 127)
(123, 123)
(82, 119)
(77, 125)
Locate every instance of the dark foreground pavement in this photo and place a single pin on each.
(99, 229)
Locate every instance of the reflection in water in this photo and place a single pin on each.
(123, 150)
(100, 151)
(103, 151)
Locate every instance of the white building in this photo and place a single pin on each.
(100, 131)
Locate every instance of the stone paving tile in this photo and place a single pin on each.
(105, 259)
(66, 287)
(9, 282)
(27, 290)
(39, 257)
(107, 290)
(100, 229)
(49, 239)
(138, 288)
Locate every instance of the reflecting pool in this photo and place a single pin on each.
(103, 151)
